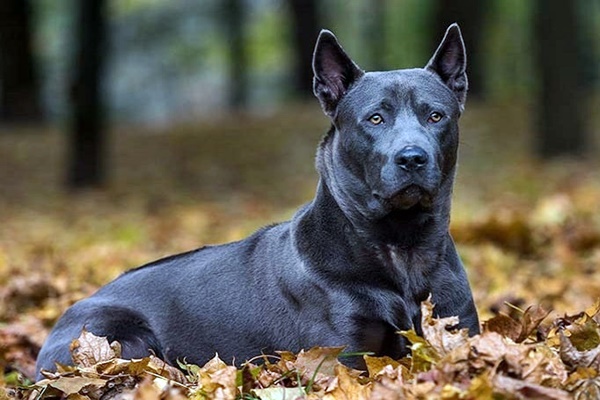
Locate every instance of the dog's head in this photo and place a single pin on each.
(394, 137)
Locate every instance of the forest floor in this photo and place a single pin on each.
(528, 232)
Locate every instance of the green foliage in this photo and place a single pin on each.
(510, 49)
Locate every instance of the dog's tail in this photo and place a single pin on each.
(130, 329)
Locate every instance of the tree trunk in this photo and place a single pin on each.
(375, 33)
(86, 164)
(19, 88)
(470, 16)
(560, 98)
(306, 27)
(234, 22)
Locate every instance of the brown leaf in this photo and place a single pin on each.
(490, 348)
(146, 390)
(24, 292)
(317, 365)
(376, 364)
(535, 363)
(71, 385)
(527, 390)
(159, 367)
(435, 331)
(345, 386)
(575, 358)
(216, 379)
(389, 385)
(584, 383)
(503, 325)
(531, 319)
(541, 365)
(321, 360)
(18, 347)
(89, 349)
(518, 329)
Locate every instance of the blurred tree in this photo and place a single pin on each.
(306, 27)
(470, 16)
(19, 88)
(87, 146)
(234, 22)
(560, 98)
(375, 34)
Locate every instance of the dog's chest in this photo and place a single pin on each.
(410, 277)
(409, 269)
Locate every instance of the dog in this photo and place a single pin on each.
(351, 267)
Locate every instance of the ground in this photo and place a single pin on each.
(528, 232)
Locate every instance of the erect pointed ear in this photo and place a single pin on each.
(334, 72)
(449, 62)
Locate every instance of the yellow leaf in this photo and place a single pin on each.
(480, 388)
(594, 309)
(345, 386)
(376, 364)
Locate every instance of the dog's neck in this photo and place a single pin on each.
(360, 254)
(402, 229)
(406, 242)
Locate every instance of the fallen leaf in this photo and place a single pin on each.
(531, 319)
(72, 385)
(436, 331)
(89, 349)
(574, 358)
(423, 355)
(584, 333)
(584, 383)
(481, 387)
(278, 393)
(503, 325)
(527, 390)
(376, 364)
(215, 380)
(317, 365)
(345, 386)
(147, 390)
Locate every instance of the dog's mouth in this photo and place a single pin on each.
(406, 198)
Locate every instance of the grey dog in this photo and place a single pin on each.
(349, 269)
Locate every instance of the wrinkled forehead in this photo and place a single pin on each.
(407, 87)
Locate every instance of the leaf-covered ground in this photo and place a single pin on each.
(528, 232)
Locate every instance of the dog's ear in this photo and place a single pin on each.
(449, 62)
(334, 72)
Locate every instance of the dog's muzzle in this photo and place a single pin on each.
(406, 198)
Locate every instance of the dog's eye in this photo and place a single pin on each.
(376, 119)
(434, 117)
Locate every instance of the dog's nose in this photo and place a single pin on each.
(411, 158)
